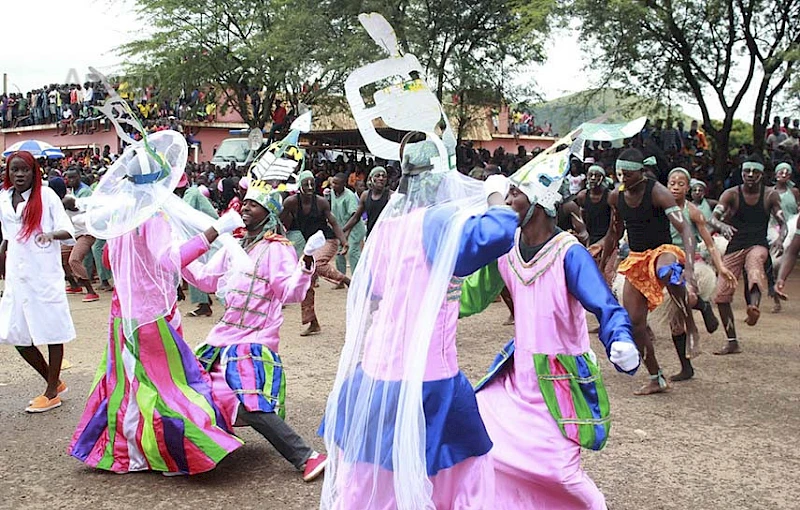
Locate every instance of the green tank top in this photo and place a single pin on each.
(705, 209)
(788, 204)
(676, 236)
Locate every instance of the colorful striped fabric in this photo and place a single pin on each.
(576, 397)
(151, 408)
(253, 372)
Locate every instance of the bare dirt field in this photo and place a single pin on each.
(725, 440)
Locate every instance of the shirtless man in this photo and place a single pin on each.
(646, 209)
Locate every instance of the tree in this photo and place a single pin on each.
(469, 49)
(704, 50)
(248, 51)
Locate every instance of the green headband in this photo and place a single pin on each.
(305, 174)
(650, 161)
(753, 165)
(783, 166)
(680, 170)
(697, 182)
(375, 171)
(596, 168)
(628, 165)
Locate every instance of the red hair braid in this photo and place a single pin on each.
(32, 214)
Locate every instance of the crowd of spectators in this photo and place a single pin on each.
(671, 147)
(70, 106)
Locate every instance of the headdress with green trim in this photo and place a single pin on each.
(283, 158)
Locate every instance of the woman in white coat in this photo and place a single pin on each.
(34, 309)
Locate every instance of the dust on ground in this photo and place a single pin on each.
(726, 439)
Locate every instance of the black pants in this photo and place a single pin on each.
(279, 434)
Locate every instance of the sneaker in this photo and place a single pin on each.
(315, 465)
(41, 404)
(89, 298)
(74, 290)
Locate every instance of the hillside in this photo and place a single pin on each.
(569, 111)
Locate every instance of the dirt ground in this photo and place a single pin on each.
(725, 440)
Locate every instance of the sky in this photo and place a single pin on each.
(103, 25)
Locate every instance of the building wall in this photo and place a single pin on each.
(509, 144)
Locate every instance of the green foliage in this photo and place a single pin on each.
(568, 112)
(241, 48)
(704, 50)
(244, 48)
(741, 133)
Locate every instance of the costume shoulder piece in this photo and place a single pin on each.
(277, 238)
(554, 250)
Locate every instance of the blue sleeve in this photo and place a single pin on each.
(486, 237)
(585, 282)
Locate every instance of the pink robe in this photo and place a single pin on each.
(536, 466)
(252, 315)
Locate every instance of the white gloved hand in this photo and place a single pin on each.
(625, 355)
(314, 243)
(228, 222)
(496, 184)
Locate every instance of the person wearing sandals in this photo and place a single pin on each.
(34, 310)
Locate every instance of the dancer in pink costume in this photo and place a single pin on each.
(241, 351)
(406, 288)
(151, 406)
(544, 396)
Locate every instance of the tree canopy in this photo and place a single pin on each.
(707, 51)
(249, 51)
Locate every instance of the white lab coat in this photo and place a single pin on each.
(34, 308)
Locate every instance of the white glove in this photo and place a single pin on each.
(496, 184)
(314, 243)
(625, 355)
(228, 222)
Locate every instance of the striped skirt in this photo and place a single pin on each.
(151, 407)
(247, 374)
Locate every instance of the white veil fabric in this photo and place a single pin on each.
(375, 424)
(375, 428)
(133, 206)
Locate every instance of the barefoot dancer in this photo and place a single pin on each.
(34, 309)
(645, 208)
(747, 208)
(678, 183)
(790, 198)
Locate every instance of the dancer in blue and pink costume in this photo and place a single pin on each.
(402, 426)
(544, 398)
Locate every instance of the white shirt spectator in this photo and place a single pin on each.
(88, 94)
(576, 183)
